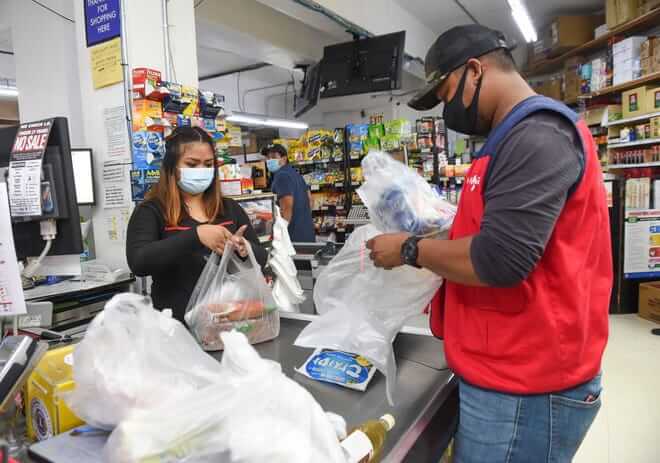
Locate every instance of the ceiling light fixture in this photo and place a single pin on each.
(266, 121)
(8, 91)
(523, 20)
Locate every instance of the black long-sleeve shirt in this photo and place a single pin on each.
(528, 184)
(174, 257)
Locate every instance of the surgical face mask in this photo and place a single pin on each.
(461, 119)
(273, 165)
(195, 180)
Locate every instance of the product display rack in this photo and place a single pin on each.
(328, 217)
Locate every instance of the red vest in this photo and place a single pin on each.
(548, 333)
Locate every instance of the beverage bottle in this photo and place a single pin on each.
(365, 443)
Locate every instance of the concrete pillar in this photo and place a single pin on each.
(145, 43)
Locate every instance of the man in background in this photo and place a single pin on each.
(293, 195)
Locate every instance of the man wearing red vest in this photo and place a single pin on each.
(528, 265)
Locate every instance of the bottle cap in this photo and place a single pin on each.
(388, 420)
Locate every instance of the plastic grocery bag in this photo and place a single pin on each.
(253, 414)
(363, 307)
(134, 357)
(287, 292)
(400, 200)
(232, 295)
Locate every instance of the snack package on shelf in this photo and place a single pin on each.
(400, 127)
(232, 295)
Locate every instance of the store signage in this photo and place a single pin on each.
(102, 21)
(642, 244)
(28, 194)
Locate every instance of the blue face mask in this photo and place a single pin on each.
(273, 165)
(195, 180)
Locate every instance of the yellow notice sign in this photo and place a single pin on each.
(106, 63)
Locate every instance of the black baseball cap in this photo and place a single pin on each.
(450, 51)
(274, 148)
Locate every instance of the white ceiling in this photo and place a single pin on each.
(441, 15)
(213, 61)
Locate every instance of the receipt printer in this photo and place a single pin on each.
(16, 353)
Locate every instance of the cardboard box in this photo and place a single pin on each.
(614, 112)
(145, 82)
(144, 109)
(601, 31)
(618, 12)
(594, 116)
(652, 96)
(649, 301)
(647, 5)
(647, 47)
(634, 102)
(566, 32)
(552, 88)
(571, 85)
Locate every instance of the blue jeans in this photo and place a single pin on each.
(503, 428)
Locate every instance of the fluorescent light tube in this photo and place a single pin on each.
(246, 119)
(286, 124)
(523, 20)
(8, 91)
(268, 122)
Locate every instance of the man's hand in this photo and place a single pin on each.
(386, 249)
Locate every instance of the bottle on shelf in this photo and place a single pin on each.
(365, 444)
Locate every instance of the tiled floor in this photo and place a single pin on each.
(627, 429)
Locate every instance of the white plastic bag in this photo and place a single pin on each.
(363, 307)
(253, 414)
(400, 200)
(134, 357)
(287, 292)
(232, 294)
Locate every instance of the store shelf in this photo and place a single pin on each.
(651, 141)
(643, 117)
(628, 85)
(315, 161)
(633, 166)
(646, 21)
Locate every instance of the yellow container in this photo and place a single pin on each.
(47, 413)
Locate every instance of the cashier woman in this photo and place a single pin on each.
(184, 218)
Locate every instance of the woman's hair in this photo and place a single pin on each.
(166, 192)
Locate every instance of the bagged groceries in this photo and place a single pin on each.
(134, 357)
(400, 200)
(254, 413)
(232, 294)
(363, 307)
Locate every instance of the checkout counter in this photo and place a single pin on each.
(426, 407)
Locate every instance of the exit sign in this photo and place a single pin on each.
(102, 21)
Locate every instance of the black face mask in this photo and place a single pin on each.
(461, 119)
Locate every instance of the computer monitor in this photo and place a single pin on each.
(57, 163)
(83, 172)
(366, 65)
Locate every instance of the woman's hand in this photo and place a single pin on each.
(214, 237)
(240, 243)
